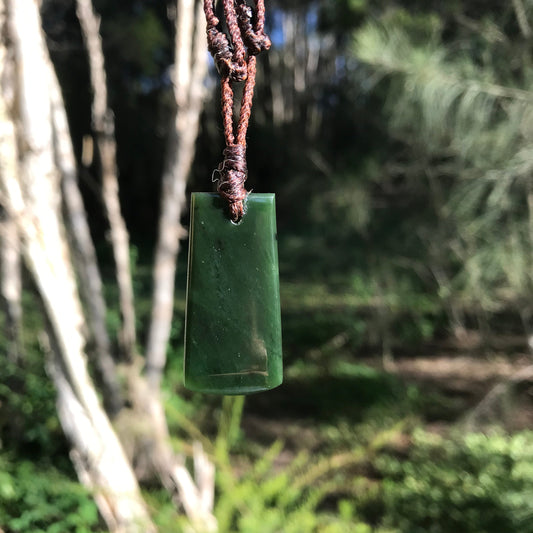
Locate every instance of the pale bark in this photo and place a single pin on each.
(32, 195)
(276, 89)
(111, 480)
(204, 476)
(288, 61)
(10, 282)
(305, 60)
(521, 17)
(196, 498)
(86, 262)
(189, 74)
(104, 129)
(143, 430)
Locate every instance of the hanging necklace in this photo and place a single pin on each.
(233, 319)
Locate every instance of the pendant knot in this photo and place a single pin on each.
(255, 40)
(223, 56)
(233, 172)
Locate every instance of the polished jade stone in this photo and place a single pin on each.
(233, 318)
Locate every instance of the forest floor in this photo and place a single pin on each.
(439, 391)
(465, 380)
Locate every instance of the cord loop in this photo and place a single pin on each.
(234, 54)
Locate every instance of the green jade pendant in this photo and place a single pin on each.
(233, 317)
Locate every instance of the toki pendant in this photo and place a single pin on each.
(233, 317)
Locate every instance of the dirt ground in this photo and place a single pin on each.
(467, 380)
(451, 386)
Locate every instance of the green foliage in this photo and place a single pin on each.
(257, 490)
(34, 495)
(304, 494)
(464, 117)
(28, 417)
(386, 300)
(447, 101)
(267, 498)
(229, 426)
(37, 497)
(27, 407)
(472, 484)
(164, 513)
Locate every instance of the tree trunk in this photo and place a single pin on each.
(32, 195)
(85, 255)
(196, 498)
(104, 128)
(10, 282)
(189, 73)
(521, 17)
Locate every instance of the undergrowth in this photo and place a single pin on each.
(351, 456)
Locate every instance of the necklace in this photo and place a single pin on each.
(233, 318)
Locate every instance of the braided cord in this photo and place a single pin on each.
(234, 56)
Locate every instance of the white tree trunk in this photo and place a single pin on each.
(196, 498)
(104, 128)
(86, 262)
(189, 73)
(32, 196)
(521, 17)
(10, 282)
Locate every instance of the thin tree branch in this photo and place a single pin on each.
(521, 17)
(91, 282)
(104, 128)
(10, 270)
(190, 71)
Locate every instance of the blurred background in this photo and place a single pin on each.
(397, 136)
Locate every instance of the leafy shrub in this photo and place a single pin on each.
(306, 495)
(473, 484)
(267, 499)
(28, 419)
(40, 498)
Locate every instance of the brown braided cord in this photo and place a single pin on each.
(235, 61)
